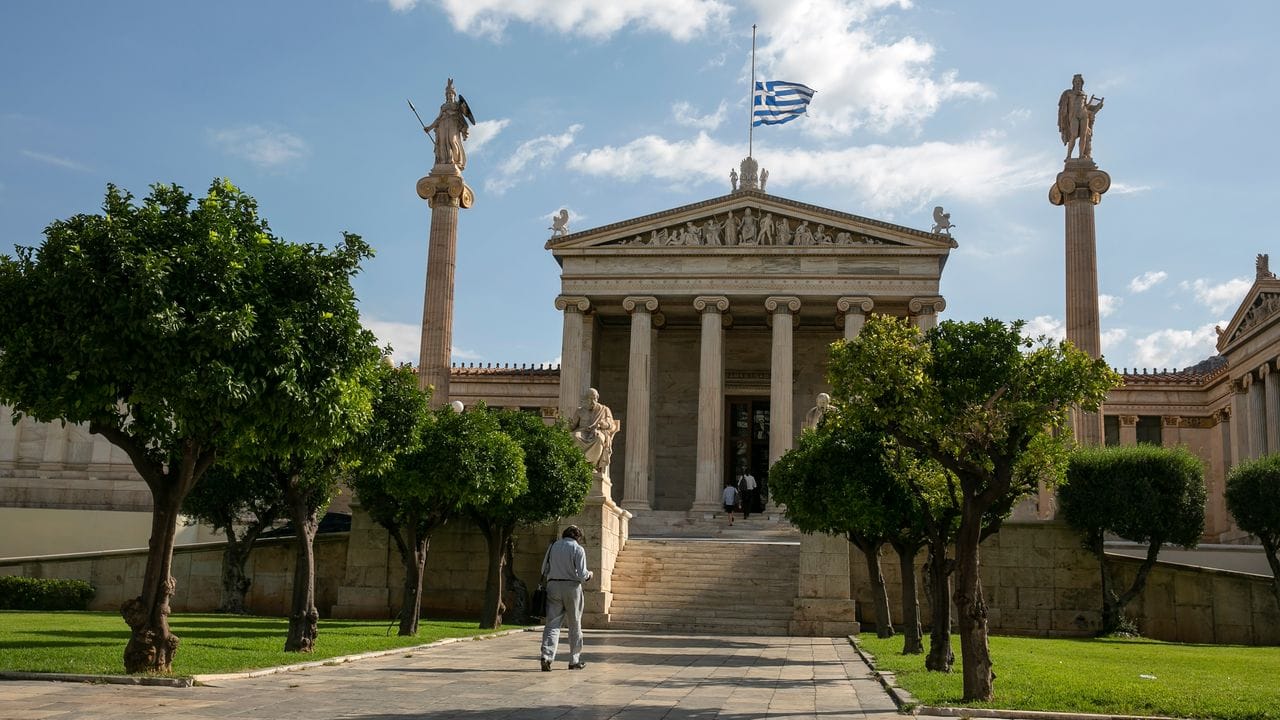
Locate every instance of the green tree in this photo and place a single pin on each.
(227, 499)
(1253, 496)
(558, 480)
(1144, 494)
(986, 404)
(178, 332)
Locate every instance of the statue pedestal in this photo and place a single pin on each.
(824, 605)
(606, 527)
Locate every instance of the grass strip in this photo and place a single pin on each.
(1107, 676)
(93, 642)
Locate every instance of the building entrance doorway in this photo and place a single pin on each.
(748, 444)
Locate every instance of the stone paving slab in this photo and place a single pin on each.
(629, 676)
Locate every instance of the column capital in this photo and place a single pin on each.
(711, 303)
(1244, 383)
(782, 303)
(642, 303)
(1129, 420)
(572, 303)
(1080, 181)
(1170, 420)
(1221, 415)
(448, 190)
(855, 304)
(927, 305)
(1264, 370)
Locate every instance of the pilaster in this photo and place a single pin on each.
(781, 393)
(709, 474)
(1170, 434)
(854, 310)
(638, 472)
(1128, 430)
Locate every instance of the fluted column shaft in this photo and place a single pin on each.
(1257, 419)
(1272, 417)
(710, 459)
(781, 394)
(636, 476)
(855, 311)
(1239, 422)
(571, 356)
(444, 192)
(1079, 187)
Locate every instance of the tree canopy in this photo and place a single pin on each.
(181, 330)
(1253, 497)
(987, 404)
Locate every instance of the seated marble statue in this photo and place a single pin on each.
(816, 414)
(593, 428)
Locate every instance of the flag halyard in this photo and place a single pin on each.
(775, 102)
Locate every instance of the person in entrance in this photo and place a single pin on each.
(565, 567)
(730, 499)
(747, 493)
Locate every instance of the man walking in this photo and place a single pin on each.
(565, 567)
(747, 490)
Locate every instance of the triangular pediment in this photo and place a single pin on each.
(748, 218)
(1260, 309)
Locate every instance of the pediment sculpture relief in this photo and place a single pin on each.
(751, 227)
(1264, 306)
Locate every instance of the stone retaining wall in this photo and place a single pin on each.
(1037, 580)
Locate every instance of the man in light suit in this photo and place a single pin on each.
(565, 567)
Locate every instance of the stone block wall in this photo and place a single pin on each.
(1037, 580)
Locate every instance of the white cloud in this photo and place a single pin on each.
(1126, 189)
(1147, 280)
(1107, 304)
(457, 355)
(1221, 296)
(269, 148)
(540, 151)
(885, 177)
(55, 160)
(863, 78)
(1046, 325)
(402, 5)
(1176, 348)
(686, 114)
(484, 131)
(1112, 338)
(681, 19)
(404, 338)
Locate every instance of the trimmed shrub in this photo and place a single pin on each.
(24, 593)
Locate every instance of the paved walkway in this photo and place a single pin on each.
(629, 676)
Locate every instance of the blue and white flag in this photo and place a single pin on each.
(775, 102)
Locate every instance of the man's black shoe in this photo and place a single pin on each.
(577, 666)
(546, 664)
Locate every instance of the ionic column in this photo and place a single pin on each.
(1257, 418)
(571, 356)
(1239, 421)
(710, 468)
(635, 486)
(1128, 430)
(781, 412)
(1272, 380)
(445, 192)
(1079, 187)
(855, 311)
(1169, 435)
(924, 312)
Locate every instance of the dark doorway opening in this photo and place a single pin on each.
(748, 445)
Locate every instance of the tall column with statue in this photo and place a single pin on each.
(445, 191)
(1078, 188)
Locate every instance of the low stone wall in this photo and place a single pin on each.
(1037, 580)
(117, 575)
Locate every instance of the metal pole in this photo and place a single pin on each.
(751, 96)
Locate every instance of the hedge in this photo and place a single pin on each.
(24, 593)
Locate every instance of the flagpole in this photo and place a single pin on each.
(751, 96)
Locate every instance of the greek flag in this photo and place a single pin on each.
(775, 102)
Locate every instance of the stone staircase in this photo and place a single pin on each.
(722, 586)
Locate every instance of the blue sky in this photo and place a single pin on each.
(630, 107)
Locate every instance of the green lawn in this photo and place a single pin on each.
(1111, 676)
(93, 642)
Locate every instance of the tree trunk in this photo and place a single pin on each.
(879, 592)
(414, 558)
(515, 594)
(303, 616)
(235, 583)
(151, 647)
(1113, 604)
(491, 612)
(975, 655)
(1273, 559)
(938, 587)
(912, 635)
